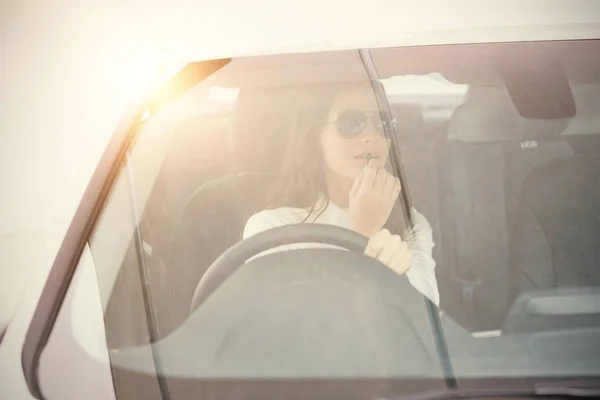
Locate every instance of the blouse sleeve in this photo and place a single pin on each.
(422, 272)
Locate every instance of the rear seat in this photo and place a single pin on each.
(561, 199)
(481, 168)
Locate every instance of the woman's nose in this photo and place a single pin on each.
(370, 134)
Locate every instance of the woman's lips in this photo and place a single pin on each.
(367, 156)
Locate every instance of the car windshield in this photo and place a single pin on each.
(234, 237)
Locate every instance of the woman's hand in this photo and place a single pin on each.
(390, 250)
(371, 199)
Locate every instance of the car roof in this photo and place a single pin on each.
(232, 28)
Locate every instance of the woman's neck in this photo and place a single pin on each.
(338, 189)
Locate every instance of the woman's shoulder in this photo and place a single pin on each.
(272, 218)
(284, 213)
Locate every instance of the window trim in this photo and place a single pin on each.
(441, 345)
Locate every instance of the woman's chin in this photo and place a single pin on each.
(350, 173)
(354, 173)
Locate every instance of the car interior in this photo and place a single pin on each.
(514, 202)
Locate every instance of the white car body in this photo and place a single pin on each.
(66, 73)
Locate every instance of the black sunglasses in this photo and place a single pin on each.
(351, 123)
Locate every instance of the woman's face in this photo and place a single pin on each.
(348, 144)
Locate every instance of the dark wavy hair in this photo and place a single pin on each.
(301, 182)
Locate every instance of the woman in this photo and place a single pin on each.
(334, 173)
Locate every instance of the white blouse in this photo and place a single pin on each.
(420, 240)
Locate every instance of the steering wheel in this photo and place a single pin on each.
(235, 257)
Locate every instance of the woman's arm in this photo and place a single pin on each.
(420, 244)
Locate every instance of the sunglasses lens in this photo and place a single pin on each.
(351, 123)
(381, 126)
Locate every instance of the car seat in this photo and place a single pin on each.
(216, 213)
(561, 199)
(481, 168)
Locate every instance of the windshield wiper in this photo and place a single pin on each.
(3, 330)
(577, 389)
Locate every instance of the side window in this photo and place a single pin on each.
(199, 170)
(176, 151)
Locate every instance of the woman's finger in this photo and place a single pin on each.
(369, 178)
(376, 243)
(388, 190)
(396, 188)
(389, 250)
(401, 262)
(357, 183)
(379, 187)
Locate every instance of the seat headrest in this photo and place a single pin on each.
(488, 114)
(409, 119)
